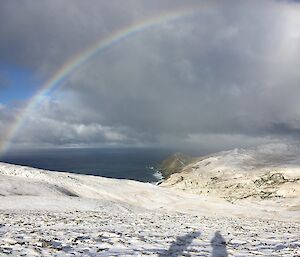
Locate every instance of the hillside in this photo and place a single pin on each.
(29, 188)
(45, 213)
(269, 172)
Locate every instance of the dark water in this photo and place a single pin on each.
(113, 163)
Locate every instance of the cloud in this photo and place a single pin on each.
(230, 71)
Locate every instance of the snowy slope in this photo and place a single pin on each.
(45, 213)
(269, 174)
(41, 189)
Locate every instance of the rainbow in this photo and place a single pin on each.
(83, 57)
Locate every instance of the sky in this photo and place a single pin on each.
(225, 76)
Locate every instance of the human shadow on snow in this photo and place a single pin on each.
(181, 244)
(218, 245)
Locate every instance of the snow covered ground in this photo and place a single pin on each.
(120, 230)
(45, 213)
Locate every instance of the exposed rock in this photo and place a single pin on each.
(258, 173)
(109, 217)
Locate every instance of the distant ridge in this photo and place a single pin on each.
(265, 172)
(174, 164)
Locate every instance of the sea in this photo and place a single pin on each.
(122, 163)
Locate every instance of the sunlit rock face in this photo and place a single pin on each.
(265, 172)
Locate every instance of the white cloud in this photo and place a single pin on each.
(224, 77)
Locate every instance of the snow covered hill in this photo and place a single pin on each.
(45, 213)
(269, 172)
(24, 187)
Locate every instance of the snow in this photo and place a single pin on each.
(45, 213)
(270, 172)
(117, 230)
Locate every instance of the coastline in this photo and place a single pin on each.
(157, 174)
(65, 213)
(112, 163)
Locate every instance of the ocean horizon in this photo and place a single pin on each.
(122, 163)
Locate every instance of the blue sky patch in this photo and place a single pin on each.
(16, 84)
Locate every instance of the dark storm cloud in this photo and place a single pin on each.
(44, 33)
(227, 75)
(285, 129)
